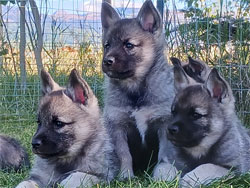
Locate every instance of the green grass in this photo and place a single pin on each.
(18, 119)
(23, 129)
(202, 37)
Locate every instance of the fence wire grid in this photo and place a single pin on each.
(217, 32)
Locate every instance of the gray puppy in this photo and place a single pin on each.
(139, 89)
(12, 155)
(196, 69)
(207, 136)
(71, 144)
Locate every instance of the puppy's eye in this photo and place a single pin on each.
(106, 45)
(196, 115)
(59, 124)
(129, 45)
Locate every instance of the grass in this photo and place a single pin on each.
(24, 132)
(18, 119)
(18, 108)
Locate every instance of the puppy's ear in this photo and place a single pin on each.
(108, 16)
(78, 89)
(217, 86)
(181, 79)
(47, 82)
(196, 66)
(149, 17)
(176, 62)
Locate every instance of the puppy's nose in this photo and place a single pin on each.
(108, 61)
(173, 129)
(36, 143)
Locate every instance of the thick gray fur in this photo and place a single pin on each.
(225, 145)
(88, 156)
(137, 108)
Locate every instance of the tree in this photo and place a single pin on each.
(22, 45)
(2, 2)
(160, 6)
(36, 38)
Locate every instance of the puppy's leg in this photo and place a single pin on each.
(164, 170)
(203, 174)
(78, 179)
(40, 175)
(117, 121)
(27, 184)
(122, 150)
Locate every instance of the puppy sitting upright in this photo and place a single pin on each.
(71, 144)
(208, 138)
(139, 89)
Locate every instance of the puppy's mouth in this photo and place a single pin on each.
(120, 75)
(47, 155)
(183, 142)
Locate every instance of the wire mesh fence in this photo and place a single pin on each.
(217, 32)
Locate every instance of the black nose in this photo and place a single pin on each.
(173, 129)
(108, 61)
(36, 143)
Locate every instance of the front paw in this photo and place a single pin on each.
(126, 174)
(79, 179)
(189, 180)
(27, 184)
(164, 172)
(203, 175)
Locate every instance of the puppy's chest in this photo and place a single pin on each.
(136, 100)
(65, 168)
(139, 97)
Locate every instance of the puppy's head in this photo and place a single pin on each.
(130, 45)
(198, 110)
(66, 117)
(196, 69)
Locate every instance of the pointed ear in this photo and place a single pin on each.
(217, 86)
(181, 79)
(78, 89)
(175, 61)
(48, 84)
(196, 65)
(149, 17)
(108, 15)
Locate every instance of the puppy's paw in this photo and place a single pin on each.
(126, 174)
(189, 180)
(79, 179)
(164, 172)
(27, 184)
(203, 175)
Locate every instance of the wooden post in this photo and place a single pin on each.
(1, 39)
(160, 6)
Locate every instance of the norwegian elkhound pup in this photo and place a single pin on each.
(196, 69)
(139, 89)
(12, 155)
(208, 138)
(71, 144)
